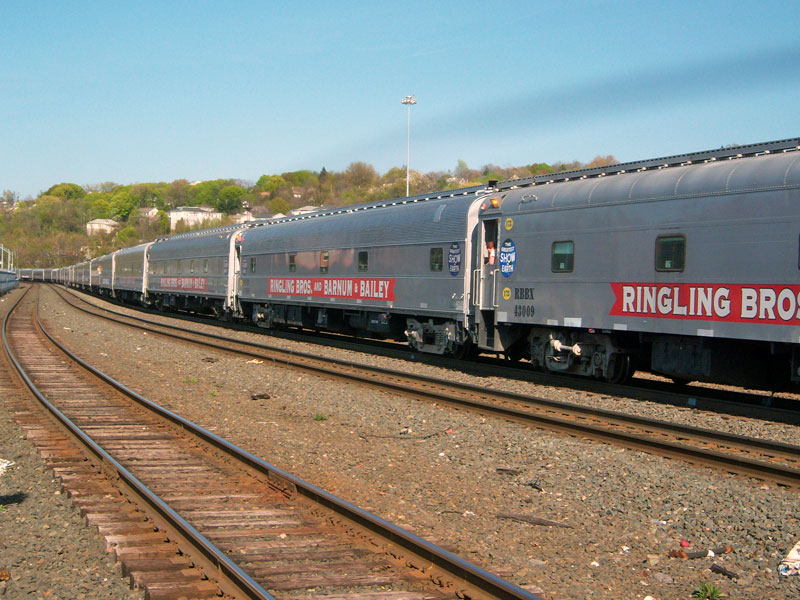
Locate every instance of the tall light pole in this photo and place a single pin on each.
(408, 100)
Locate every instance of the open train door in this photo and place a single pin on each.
(488, 264)
(234, 270)
(486, 274)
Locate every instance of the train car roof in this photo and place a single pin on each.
(400, 222)
(132, 251)
(206, 243)
(709, 178)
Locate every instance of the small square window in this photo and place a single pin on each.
(563, 258)
(437, 259)
(323, 261)
(670, 252)
(363, 261)
(292, 263)
(252, 264)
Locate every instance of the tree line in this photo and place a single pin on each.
(50, 231)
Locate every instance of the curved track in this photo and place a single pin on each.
(190, 514)
(761, 459)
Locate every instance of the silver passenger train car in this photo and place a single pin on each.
(397, 269)
(685, 266)
(194, 271)
(690, 271)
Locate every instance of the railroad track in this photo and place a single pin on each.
(762, 459)
(189, 514)
(782, 405)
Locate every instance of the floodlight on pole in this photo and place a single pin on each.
(408, 100)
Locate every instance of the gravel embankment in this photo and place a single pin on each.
(446, 475)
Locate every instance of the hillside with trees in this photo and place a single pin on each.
(50, 231)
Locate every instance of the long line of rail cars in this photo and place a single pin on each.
(685, 266)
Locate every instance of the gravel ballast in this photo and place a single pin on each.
(446, 475)
(46, 548)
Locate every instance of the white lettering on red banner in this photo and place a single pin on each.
(193, 284)
(772, 304)
(325, 287)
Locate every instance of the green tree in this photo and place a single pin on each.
(462, 169)
(270, 183)
(361, 174)
(540, 169)
(162, 223)
(177, 193)
(278, 205)
(301, 178)
(66, 190)
(149, 194)
(122, 205)
(97, 206)
(229, 199)
(206, 193)
(127, 236)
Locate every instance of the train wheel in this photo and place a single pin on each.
(516, 353)
(620, 370)
(463, 351)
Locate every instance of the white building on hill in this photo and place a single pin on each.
(101, 226)
(191, 215)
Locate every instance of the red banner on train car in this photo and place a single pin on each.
(736, 303)
(191, 284)
(328, 287)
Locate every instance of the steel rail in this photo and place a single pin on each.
(339, 368)
(469, 577)
(214, 562)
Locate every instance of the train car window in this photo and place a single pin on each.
(191, 266)
(323, 261)
(363, 261)
(178, 267)
(205, 265)
(670, 252)
(252, 264)
(437, 259)
(292, 263)
(563, 257)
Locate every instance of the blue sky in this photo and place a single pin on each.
(156, 91)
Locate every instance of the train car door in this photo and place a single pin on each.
(489, 268)
(113, 273)
(146, 270)
(234, 270)
(486, 272)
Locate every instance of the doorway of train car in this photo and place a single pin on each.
(488, 281)
(233, 269)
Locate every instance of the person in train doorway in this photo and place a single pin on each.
(490, 254)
